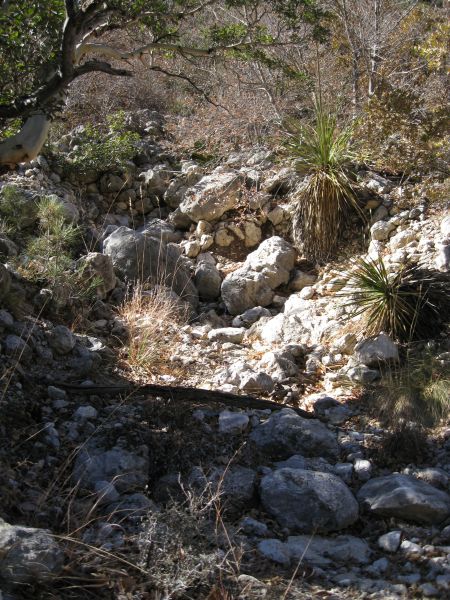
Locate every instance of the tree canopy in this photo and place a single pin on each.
(46, 44)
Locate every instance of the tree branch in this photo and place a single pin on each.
(110, 52)
(192, 83)
(104, 67)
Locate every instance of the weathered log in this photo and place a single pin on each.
(183, 394)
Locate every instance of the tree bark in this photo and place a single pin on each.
(26, 145)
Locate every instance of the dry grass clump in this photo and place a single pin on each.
(153, 319)
(417, 392)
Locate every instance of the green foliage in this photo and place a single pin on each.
(411, 303)
(399, 133)
(48, 255)
(48, 258)
(30, 38)
(103, 148)
(324, 152)
(16, 210)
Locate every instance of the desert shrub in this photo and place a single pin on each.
(400, 133)
(16, 209)
(152, 318)
(410, 303)
(416, 392)
(101, 148)
(406, 444)
(49, 255)
(324, 152)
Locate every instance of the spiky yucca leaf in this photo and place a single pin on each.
(324, 152)
(411, 303)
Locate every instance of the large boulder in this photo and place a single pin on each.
(98, 273)
(303, 321)
(212, 196)
(207, 277)
(308, 501)
(405, 497)
(375, 350)
(140, 257)
(286, 433)
(28, 555)
(265, 269)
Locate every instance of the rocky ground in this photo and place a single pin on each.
(128, 495)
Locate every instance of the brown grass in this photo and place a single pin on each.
(153, 319)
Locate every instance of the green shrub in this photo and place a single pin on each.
(411, 303)
(325, 153)
(103, 148)
(17, 211)
(48, 258)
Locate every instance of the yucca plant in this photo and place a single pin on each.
(324, 152)
(409, 304)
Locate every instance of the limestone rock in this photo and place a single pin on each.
(375, 350)
(207, 277)
(323, 552)
(286, 433)
(28, 555)
(127, 470)
(212, 196)
(262, 272)
(308, 501)
(139, 257)
(232, 422)
(381, 230)
(406, 498)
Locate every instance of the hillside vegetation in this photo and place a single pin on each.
(225, 300)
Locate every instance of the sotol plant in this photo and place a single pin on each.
(324, 152)
(408, 304)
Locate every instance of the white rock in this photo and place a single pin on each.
(223, 238)
(276, 215)
(264, 270)
(381, 230)
(192, 248)
(212, 196)
(234, 335)
(402, 239)
(374, 350)
(252, 233)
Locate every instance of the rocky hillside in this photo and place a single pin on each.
(172, 273)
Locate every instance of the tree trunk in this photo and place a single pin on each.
(27, 143)
(375, 49)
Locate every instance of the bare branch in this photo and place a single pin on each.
(115, 53)
(104, 67)
(192, 83)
